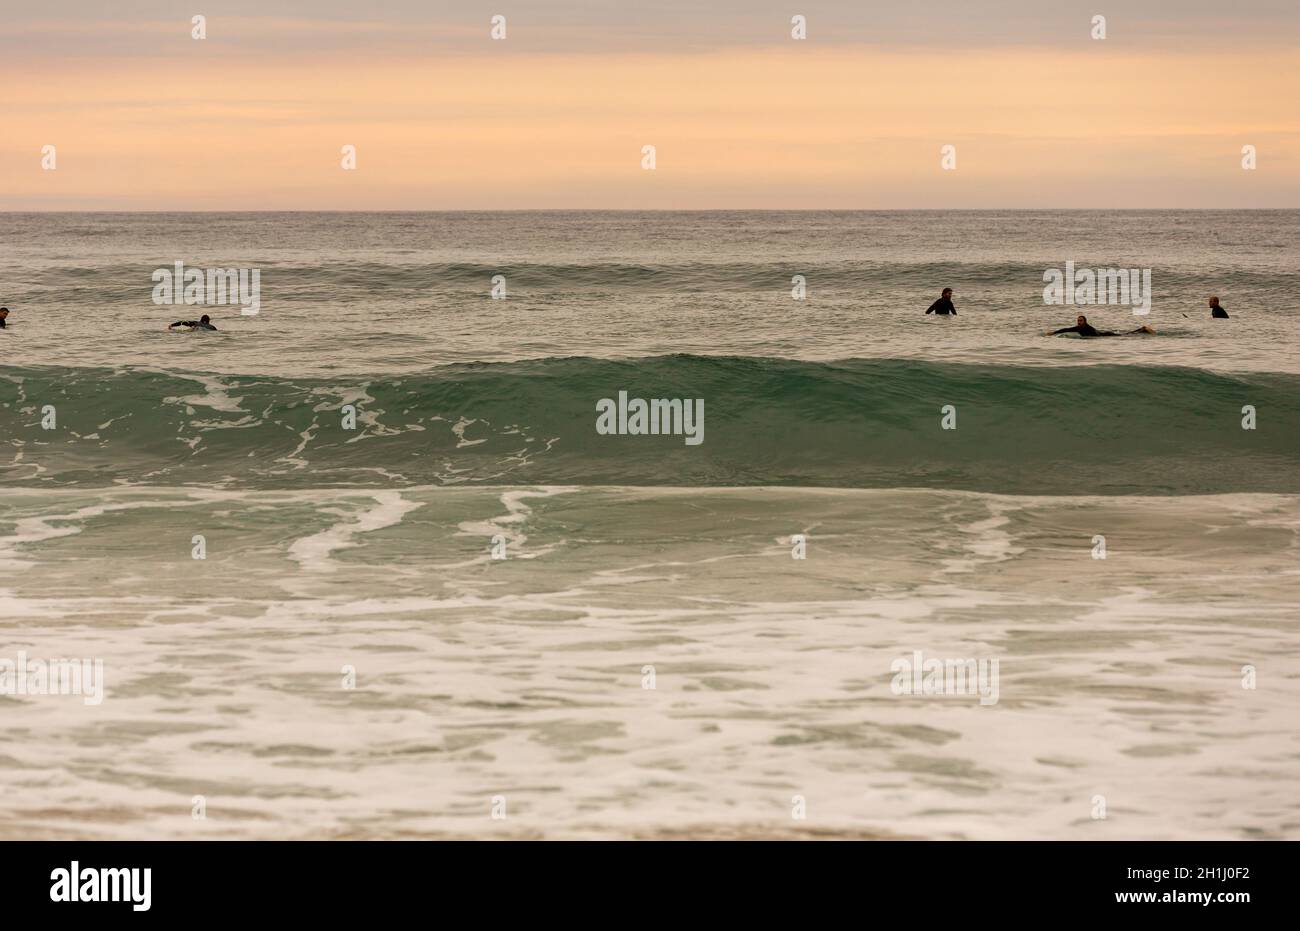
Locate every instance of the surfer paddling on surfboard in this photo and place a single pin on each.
(1084, 328)
(203, 323)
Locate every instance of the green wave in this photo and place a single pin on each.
(855, 423)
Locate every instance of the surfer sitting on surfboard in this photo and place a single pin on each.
(1084, 328)
(203, 323)
(943, 306)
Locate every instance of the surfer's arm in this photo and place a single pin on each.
(1069, 329)
(931, 308)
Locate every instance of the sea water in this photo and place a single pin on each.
(361, 564)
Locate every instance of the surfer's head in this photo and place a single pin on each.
(1214, 300)
(203, 319)
(4, 312)
(947, 292)
(1082, 321)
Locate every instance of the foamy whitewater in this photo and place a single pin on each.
(520, 683)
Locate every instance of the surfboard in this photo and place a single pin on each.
(1141, 331)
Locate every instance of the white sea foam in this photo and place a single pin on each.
(315, 552)
(216, 394)
(1118, 677)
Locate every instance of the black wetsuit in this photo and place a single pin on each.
(196, 324)
(943, 307)
(1218, 312)
(1085, 329)
(2, 323)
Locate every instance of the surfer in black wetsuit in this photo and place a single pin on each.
(203, 323)
(4, 312)
(1216, 311)
(1084, 328)
(943, 306)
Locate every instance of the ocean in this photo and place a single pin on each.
(363, 565)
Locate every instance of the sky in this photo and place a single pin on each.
(142, 116)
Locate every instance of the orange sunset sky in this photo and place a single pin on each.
(144, 117)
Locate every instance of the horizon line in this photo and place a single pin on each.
(694, 210)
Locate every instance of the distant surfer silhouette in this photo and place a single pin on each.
(4, 312)
(1084, 328)
(943, 306)
(1216, 311)
(203, 323)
